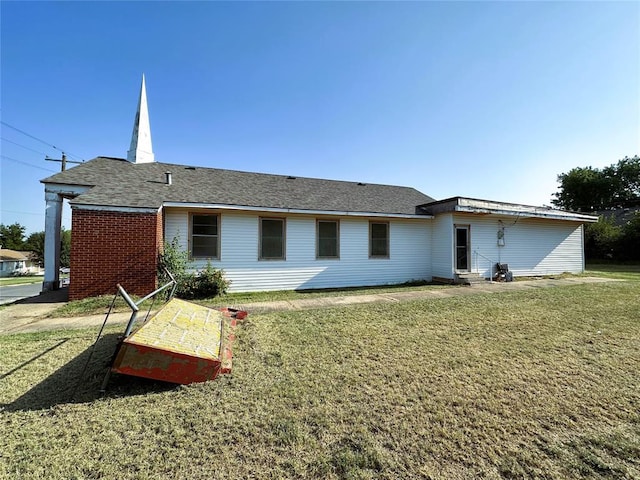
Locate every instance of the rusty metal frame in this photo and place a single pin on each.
(135, 308)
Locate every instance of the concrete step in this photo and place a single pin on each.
(469, 278)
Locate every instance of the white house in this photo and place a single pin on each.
(13, 262)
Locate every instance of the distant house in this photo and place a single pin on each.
(273, 232)
(13, 262)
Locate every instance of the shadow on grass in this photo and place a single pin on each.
(365, 289)
(70, 385)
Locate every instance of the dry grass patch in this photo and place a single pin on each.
(536, 384)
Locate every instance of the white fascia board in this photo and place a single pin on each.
(546, 213)
(65, 189)
(294, 210)
(106, 208)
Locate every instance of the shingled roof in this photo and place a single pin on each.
(116, 182)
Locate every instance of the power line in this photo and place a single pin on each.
(63, 161)
(23, 146)
(38, 139)
(27, 164)
(28, 134)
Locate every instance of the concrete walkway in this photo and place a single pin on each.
(30, 315)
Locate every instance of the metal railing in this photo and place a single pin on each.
(135, 308)
(491, 264)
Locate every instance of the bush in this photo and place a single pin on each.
(630, 239)
(22, 272)
(207, 283)
(604, 240)
(601, 239)
(173, 259)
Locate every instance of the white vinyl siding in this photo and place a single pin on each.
(442, 246)
(531, 246)
(409, 253)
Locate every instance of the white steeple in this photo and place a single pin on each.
(141, 150)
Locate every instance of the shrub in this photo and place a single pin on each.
(630, 239)
(173, 259)
(601, 239)
(207, 283)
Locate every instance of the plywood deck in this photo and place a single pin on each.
(183, 327)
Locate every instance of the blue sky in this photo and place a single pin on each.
(479, 99)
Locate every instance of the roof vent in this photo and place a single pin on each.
(189, 168)
(361, 184)
(168, 178)
(291, 178)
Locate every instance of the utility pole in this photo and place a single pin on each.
(62, 160)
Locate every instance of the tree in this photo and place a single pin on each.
(588, 189)
(12, 236)
(627, 175)
(584, 189)
(630, 239)
(601, 239)
(35, 244)
(65, 247)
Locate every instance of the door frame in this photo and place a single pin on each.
(467, 228)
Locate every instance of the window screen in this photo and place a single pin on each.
(272, 238)
(328, 239)
(204, 236)
(379, 239)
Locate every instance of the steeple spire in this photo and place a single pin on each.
(141, 150)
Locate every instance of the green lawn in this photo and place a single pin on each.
(21, 280)
(623, 272)
(531, 384)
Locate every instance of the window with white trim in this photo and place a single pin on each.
(272, 239)
(205, 236)
(327, 239)
(379, 239)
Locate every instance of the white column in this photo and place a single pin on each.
(52, 227)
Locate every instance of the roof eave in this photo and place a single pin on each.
(484, 207)
(301, 211)
(550, 214)
(115, 208)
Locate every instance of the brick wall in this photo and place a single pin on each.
(108, 248)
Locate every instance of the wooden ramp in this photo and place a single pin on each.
(182, 343)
